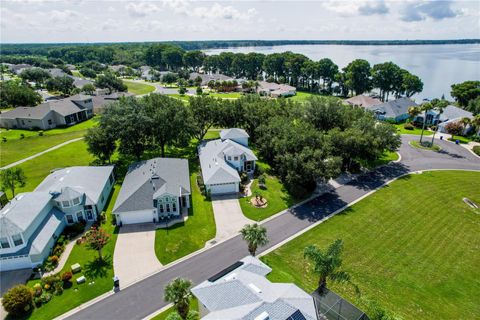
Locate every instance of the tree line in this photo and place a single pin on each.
(303, 142)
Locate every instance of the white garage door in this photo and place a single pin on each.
(15, 263)
(136, 217)
(224, 188)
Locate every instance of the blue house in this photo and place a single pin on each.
(395, 110)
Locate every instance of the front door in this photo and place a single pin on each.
(89, 215)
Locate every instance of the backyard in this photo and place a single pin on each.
(138, 88)
(98, 274)
(17, 147)
(418, 261)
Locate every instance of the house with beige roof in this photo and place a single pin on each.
(275, 90)
(363, 101)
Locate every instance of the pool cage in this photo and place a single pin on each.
(331, 306)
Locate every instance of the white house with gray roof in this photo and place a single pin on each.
(31, 222)
(49, 115)
(223, 159)
(245, 293)
(153, 190)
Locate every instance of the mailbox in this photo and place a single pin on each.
(116, 283)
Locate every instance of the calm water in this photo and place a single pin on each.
(439, 66)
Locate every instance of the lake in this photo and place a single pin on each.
(439, 66)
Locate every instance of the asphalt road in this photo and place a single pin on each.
(146, 296)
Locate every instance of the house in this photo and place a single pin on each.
(71, 66)
(363, 101)
(242, 291)
(18, 68)
(80, 82)
(117, 68)
(146, 73)
(275, 90)
(223, 159)
(51, 114)
(206, 78)
(153, 190)
(57, 72)
(449, 113)
(395, 110)
(101, 100)
(32, 221)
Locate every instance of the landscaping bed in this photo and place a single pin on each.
(419, 261)
(425, 145)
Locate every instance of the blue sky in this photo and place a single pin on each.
(112, 21)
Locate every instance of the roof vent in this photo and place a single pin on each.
(263, 316)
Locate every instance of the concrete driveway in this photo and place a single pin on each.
(134, 256)
(229, 217)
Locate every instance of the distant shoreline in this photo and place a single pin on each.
(225, 44)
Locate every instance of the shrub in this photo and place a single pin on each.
(53, 260)
(58, 288)
(37, 289)
(37, 301)
(17, 300)
(261, 181)
(244, 177)
(4, 139)
(476, 149)
(46, 297)
(40, 133)
(74, 229)
(50, 281)
(22, 136)
(408, 126)
(58, 250)
(67, 276)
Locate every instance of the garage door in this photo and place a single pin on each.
(136, 217)
(224, 188)
(15, 263)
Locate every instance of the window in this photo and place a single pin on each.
(49, 121)
(4, 244)
(111, 179)
(65, 204)
(161, 208)
(229, 158)
(76, 201)
(235, 158)
(103, 198)
(168, 207)
(17, 239)
(155, 203)
(69, 218)
(174, 207)
(160, 200)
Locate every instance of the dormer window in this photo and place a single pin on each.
(65, 204)
(230, 158)
(76, 201)
(4, 244)
(235, 158)
(17, 239)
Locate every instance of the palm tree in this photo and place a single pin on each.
(178, 292)
(440, 106)
(476, 123)
(255, 236)
(326, 263)
(425, 108)
(413, 112)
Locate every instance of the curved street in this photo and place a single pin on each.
(145, 297)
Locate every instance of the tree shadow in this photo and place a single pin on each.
(376, 178)
(98, 268)
(319, 207)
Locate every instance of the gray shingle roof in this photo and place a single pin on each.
(20, 212)
(394, 108)
(214, 167)
(148, 179)
(38, 112)
(233, 133)
(84, 180)
(48, 227)
(245, 293)
(453, 112)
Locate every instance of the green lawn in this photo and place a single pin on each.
(212, 134)
(184, 238)
(99, 273)
(166, 313)
(461, 139)
(416, 144)
(277, 196)
(76, 73)
(73, 154)
(386, 158)
(226, 95)
(182, 97)
(402, 130)
(302, 96)
(138, 88)
(15, 148)
(412, 247)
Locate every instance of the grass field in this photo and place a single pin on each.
(182, 97)
(17, 148)
(99, 273)
(166, 313)
(184, 238)
(138, 88)
(386, 158)
(411, 246)
(227, 95)
(302, 96)
(418, 131)
(73, 154)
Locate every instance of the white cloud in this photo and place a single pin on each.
(141, 9)
(217, 11)
(110, 24)
(62, 16)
